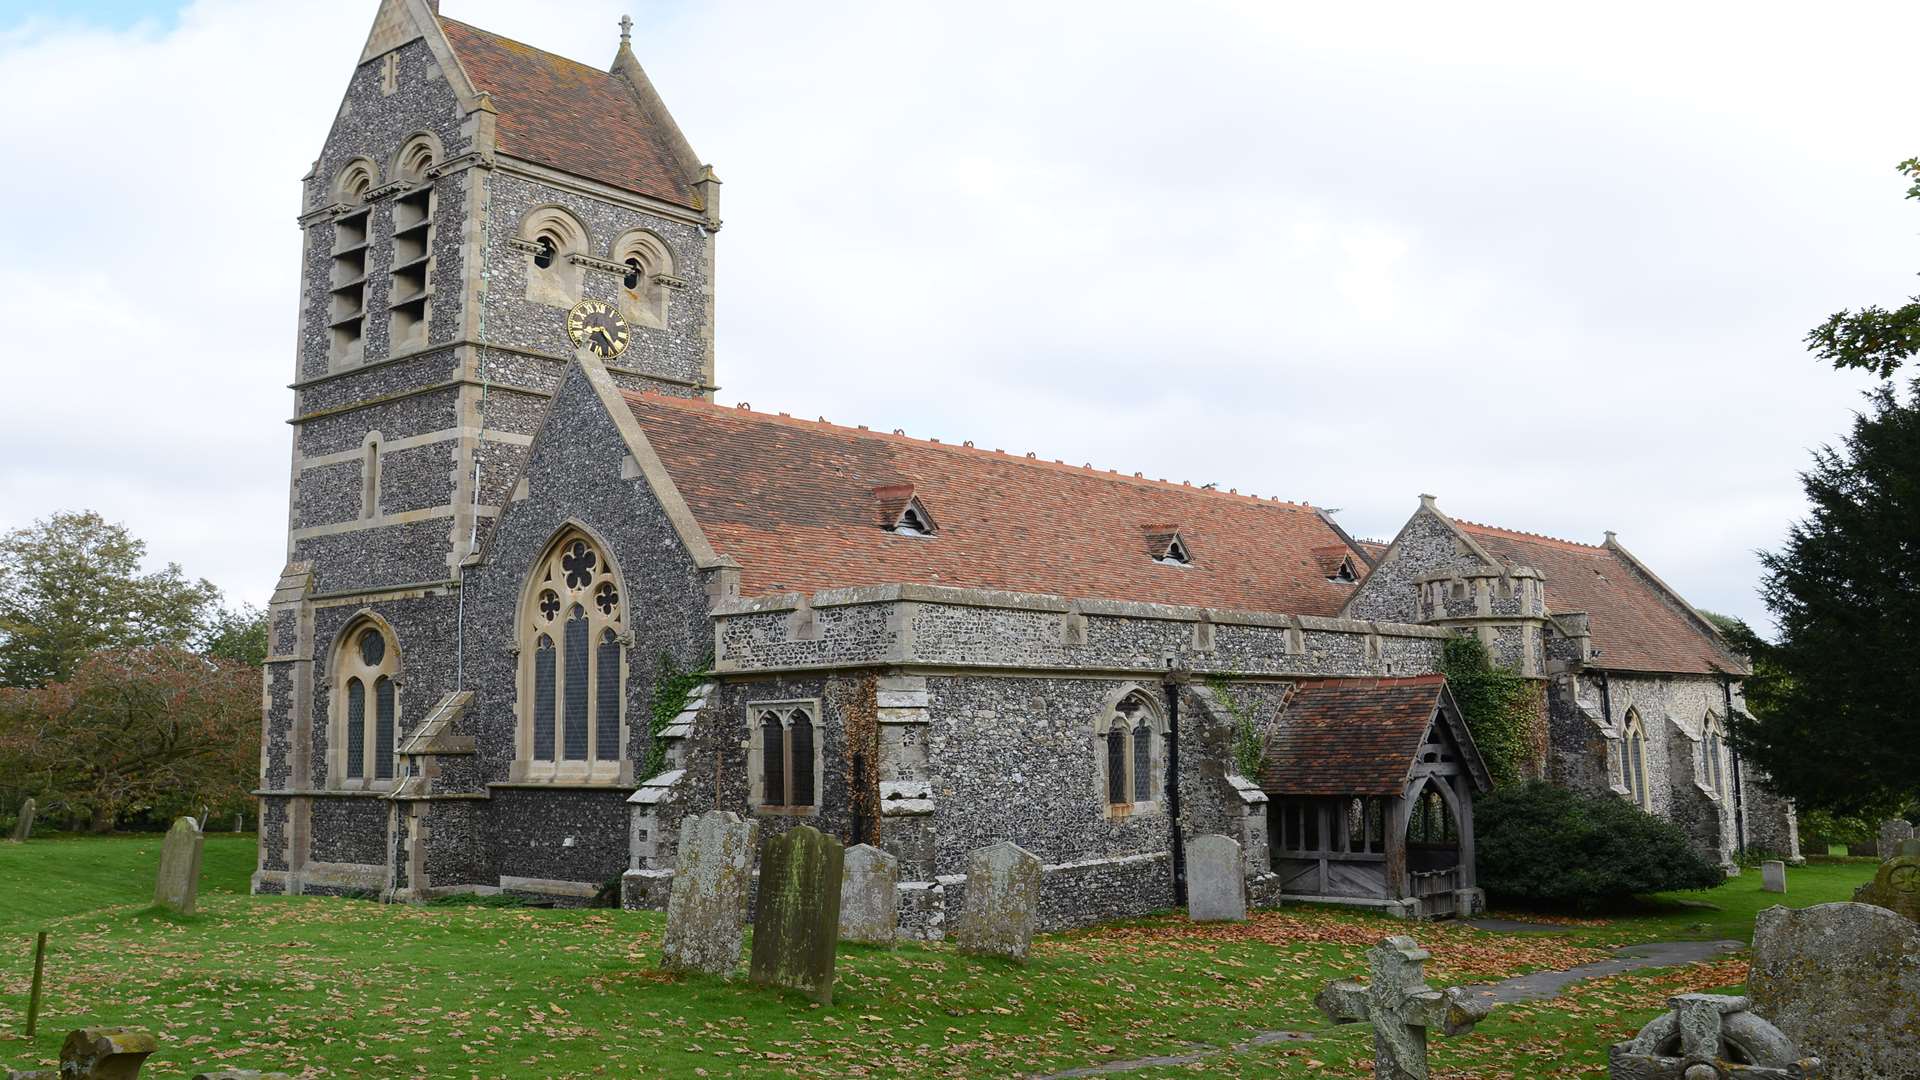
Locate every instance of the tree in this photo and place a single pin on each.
(237, 634)
(71, 585)
(150, 728)
(1834, 720)
(1873, 338)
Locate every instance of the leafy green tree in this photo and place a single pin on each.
(237, 634)
(1501, 709)
(71, 585)
(1873, 338)
(1834, 722)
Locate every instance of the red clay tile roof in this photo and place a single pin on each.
(567, 115)
(1635, 625)
(1350, 736)
(795, 502)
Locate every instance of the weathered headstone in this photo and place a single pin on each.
(1892, 831)
(112, 1053)
(1843, 982)
(1402, 1008)
(1216, 880)
(796, 917)
(1896, 887)
(1709, 1036)
(1907, 847)
(1002, 902)
(707, 902)
(23, 828)
(1773, 876)
(870, 896)
(178, 885)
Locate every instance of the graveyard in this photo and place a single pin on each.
(330, 987)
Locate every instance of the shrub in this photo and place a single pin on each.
(1539, 843)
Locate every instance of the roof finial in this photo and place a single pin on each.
(626, 30)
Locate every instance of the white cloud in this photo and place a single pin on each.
(1552, 264)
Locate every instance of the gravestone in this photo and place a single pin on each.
(178, 885)
(23, 828)
(1710, 1036)
(1216, 880)
(796, 919)
(1002, 902)
(1896, 886)
(1907, 847)
(1773, 876)
(870, 896)
(1402, 1008)
(707, 903)
(112, 1053)
(1843, 982)
(1892, 831)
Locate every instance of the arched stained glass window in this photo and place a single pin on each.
(1142, 762)
(786, 741)
(573, 673)
(1117, 765)
(1124, 740)
(366, 715)
(1635, 761)
(800, 756)
(356, 729)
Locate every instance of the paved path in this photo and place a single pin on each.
(1537, 986)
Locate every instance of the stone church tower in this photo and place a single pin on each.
(471, 193)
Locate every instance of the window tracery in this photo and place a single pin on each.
(366, 713)
(1130, 744)
(573, 668)
(786, 757)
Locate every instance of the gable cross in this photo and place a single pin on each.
(1402, 1008)
(626, 29)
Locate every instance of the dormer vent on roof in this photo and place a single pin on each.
(902, 512)
(1166, 546)
(1336, 562)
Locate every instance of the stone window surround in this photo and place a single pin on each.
(561, 283)
(1712, 769)
(1109, 718)
(346, 664)
(646, 304)
(755, 746)
(1633, 732)
(549, 573)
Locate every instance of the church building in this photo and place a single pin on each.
(544, 598)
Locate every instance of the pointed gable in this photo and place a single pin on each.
(572, 117)
(1635, 622)
(796, 503)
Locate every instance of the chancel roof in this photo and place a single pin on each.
(802, 507)
(1636, 625)
(1340, 737)
(573, 117)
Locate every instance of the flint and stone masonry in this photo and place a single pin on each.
(451, 444)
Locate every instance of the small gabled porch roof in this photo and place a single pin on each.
(1358, 737)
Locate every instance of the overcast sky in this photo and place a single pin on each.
(1550, 263)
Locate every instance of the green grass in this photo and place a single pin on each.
(354, 988)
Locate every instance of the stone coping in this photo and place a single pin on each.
(1017, 601)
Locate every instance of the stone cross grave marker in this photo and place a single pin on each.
(1402, 1008)
(1896, 887)
(1216, 879)
(1773, 876)
(796, 920)
(23, 828)
(1002, 902)
(178, 885)
(1892, 831)
(870, 896)
(1843, 982)
(1706, 1037)
(707, 902)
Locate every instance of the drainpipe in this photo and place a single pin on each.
(1177, 843)
(1739, 803)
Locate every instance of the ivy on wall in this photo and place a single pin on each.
(1249, 742)
(671, 688)
(1502, 710)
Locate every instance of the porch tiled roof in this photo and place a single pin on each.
(1350, 736)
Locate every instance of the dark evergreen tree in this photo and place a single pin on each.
(1836, 702)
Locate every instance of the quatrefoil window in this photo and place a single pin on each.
(607, 597)
(549, 604)
(578, 562)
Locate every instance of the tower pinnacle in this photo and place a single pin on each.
(626, 30)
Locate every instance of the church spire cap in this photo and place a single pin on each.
(626, 30)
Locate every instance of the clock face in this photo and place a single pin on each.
(599, 327)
